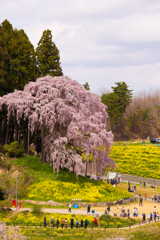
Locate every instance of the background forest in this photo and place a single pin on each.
(130, 117)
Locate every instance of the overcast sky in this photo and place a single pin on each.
(100, 42)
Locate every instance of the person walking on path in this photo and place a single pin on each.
(108, 209)
(70, 205)
(57, 223)
(134, 212)
(77, 223)
(140, 200)
(150, 216)
(65, 223)
(152, 197)
(117, 204)
(145, 196)
(128, 214)
(62, 223)
(155, 198)
(86, 223)
(143, 218)
(88, 208)
(155, 215)
(154, 209)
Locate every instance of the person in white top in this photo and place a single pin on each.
(70, 205)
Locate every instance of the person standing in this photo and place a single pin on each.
(117, 204)
(82, 223)
(134, 212)
(152, 197)
(70, 205)
(154, 209)
(155, 198)
(65, 223)
(62, 223)
(108, 209)
(144, 218)
(86, 223)
(72, 222)
(128, 214)
(57, 223)
(145, 196)
(150, 217)
(88, 208)
(51, 221)
(77, 223)
(95, 222)
(155, 215)
(44, 223)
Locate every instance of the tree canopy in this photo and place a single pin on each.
(4, 64)
(86, 86)
(47, 56)
(117, 101)
(71, 120)
(20, 65)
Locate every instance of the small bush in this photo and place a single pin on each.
(37, 209)
(13, 149)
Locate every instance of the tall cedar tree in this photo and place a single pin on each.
(47, 55)
(4, 64)
(22, 67)
(86, 86)
(117, 101)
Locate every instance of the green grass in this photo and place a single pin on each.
(44, 171)
(147, 232)
(47, 186)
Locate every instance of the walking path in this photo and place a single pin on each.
(65, 211)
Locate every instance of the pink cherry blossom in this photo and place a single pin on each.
(67, 115)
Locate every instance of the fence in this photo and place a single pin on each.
(90, 225)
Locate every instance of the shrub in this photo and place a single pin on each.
(37, 209)
(13, 149)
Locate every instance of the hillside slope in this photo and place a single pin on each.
(46, 186)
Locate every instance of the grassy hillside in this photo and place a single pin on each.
(135, 159)
(46, 186)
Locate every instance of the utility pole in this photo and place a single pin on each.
(16, 190)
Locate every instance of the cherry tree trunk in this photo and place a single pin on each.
(0, 128)
(6, 139)
(43, 158)
(28, 147)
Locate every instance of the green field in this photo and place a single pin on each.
(135, 159)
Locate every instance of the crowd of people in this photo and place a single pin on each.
(64, 223)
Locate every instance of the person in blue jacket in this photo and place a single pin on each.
(85, 223)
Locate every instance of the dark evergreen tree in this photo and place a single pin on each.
(21, 67)
(117, 101)
(86, 86)
(47, 56)
(4, 65)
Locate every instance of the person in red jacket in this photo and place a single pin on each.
(95, 221)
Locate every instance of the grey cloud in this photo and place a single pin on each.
(99, 41)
